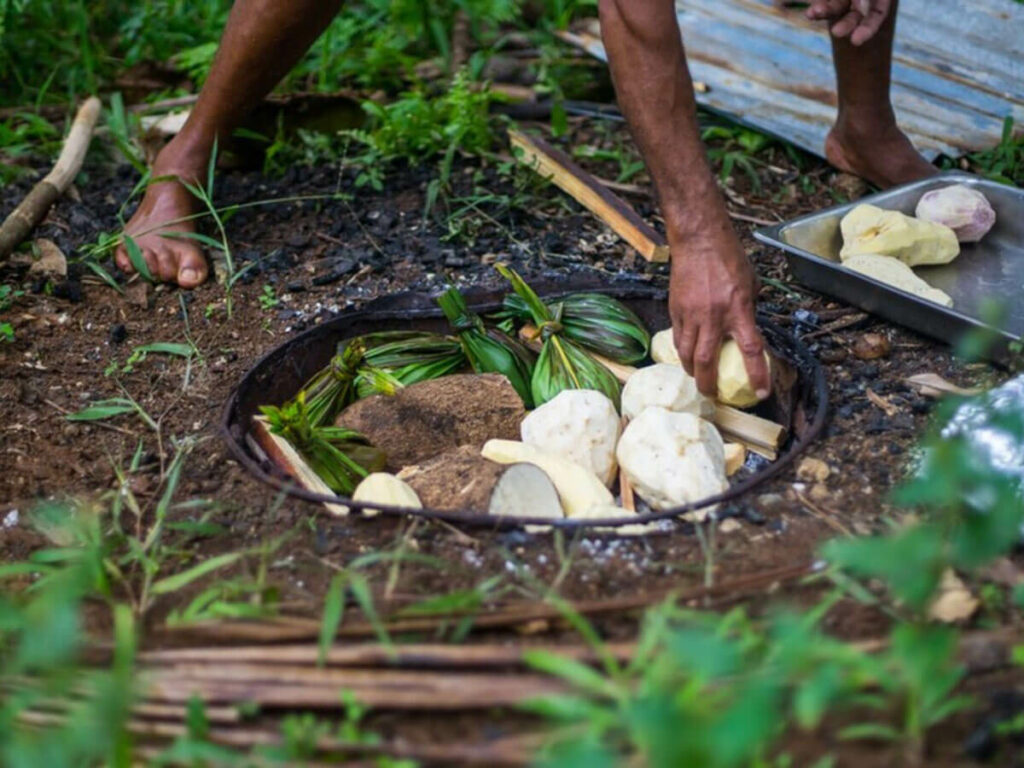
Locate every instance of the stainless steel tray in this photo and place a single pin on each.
(985, 272)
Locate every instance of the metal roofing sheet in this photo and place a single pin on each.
(958, 69)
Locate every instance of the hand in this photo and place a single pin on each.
(711, 296)
(859, 20)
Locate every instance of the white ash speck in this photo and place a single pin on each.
(11, 519)
(472, 557)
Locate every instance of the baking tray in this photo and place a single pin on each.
(985, 272)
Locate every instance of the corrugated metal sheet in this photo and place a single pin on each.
(958, 69)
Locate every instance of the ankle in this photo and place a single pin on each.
(866, 125)
(183, 157)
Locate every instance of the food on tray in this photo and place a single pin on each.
(340, 457)
(431, 417)
(462, 479)
(579, 489)
(734, 387)
(386, 490)
(488, 349)
(961, 208)
(897, 274)
(562, 364)
(868, 229)
(735, 457)
(665, 386)
(581, 425)
(596, 322)
(672, 459)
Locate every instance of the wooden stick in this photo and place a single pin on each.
(591, 194)
(43, 195)
(416, 655)
(288, 460)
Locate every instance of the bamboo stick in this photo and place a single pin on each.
(23, 219)
(591, 194)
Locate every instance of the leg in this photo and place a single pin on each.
(865, 140)
(262, 41)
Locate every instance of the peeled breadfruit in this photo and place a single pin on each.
(961, 208)
(672, 459)
(663, 348)
(869, 229)
(898, 275)
(579, 424)
(387, 490)
(665, 386)
(734, 387)
(579, 488)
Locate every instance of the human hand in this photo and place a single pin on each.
(859, 20)
(711, 296)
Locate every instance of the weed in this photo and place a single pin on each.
(1004, 163)
(738, 149)
(7, 296)
(268, 298)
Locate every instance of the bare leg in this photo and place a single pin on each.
(865, 140)
(262, 41)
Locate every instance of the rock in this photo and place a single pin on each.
(771, 502)
(813, 470)
(849, 186)
(139, 293)
(51, 262)
(118, 333)
(729, 525)
(955, 602)
(871, 346)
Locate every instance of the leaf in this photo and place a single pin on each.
(167, 348)
(577, 673)
(136, 258)
(102, 410)
(179, 580)
(206, 240)
(334, 610)
(870, 731)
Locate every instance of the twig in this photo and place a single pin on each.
(825, 516)
(43, 195)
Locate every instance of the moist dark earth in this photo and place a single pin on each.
(322, 257)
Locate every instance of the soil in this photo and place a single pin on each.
(319, 258)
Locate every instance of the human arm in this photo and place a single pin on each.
(712, 285)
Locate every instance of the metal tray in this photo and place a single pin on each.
(985, 272)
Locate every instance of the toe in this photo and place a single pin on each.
(192, 268)
(163, 263)
(122, 260)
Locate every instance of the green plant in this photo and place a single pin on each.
(735, 147)
(7, 296)
(1005, 162)
(268, 298)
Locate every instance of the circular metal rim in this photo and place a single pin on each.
(798, 349)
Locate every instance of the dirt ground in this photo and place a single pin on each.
(323, 258)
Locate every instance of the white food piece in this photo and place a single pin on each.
(734, 387)
(579, 488)
(387, 490)
(897, 274)
(961, 208)
(663, 348)
(581, 425)
(735, 456)
(664, 385)
(673, 459)
(525, 490)
(869, 229)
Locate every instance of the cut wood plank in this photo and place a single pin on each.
(557, 167)
(288, 460)
(753, 431)
(23, 219)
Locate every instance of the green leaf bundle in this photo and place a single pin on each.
(596, 322)
(489, 350)
(563, 364)
(396, 359)
(341, 457)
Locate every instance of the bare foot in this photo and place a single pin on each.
(170, 259)
(885, 157)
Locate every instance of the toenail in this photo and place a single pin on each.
(189, 275)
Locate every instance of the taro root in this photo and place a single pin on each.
(580, 489)
(894, 272)
(964, 210)
(672, 459)
(663, 348)
(664, 386)
(581, 425)
(463, 480)
(386, 490)
(425, 419)
(869, 229)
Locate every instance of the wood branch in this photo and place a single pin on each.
(23, 219)
(293, 629)
(591, 194)
(418, 656)
(289, 461)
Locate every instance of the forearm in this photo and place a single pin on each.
(655, 93)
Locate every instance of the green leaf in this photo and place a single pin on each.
(870, 731)
(102, 410)
(574, 672)
(136, 258)
(167, 348)
(104, 275)
(179, 580)
(334, 611)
